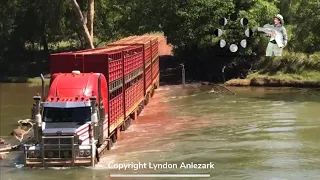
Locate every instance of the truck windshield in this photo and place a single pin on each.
(79, 114)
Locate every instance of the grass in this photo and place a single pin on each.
(292, 70)
(290, 62)
(303, 76)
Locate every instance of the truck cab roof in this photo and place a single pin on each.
(75, 86)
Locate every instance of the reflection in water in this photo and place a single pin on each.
(261, 133)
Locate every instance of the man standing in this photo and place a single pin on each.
(273, 49)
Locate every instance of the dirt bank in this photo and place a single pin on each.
(273, 82)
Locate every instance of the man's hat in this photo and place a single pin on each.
(280, 17)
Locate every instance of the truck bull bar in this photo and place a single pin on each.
(62, 151)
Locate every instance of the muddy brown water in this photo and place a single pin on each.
(260, 133)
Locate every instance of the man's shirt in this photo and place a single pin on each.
(283, 30)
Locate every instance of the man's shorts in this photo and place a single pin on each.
(273, 50)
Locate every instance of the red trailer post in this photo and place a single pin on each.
(155, 61)
(154, 75)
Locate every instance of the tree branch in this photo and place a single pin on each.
(91, 18)
(82, 22)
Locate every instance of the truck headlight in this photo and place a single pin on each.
(88, 152)
(31, 154)
(81, 152)
(37, 154)
(50, 154)
(66, 153)
(34, 154)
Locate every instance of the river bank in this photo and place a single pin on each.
(282, 80)
(290, 70)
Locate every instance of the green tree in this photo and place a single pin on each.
(306, 25)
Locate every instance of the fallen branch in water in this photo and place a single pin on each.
(19, 132)
(5, 147)
(3, 155)
(219, 89)
(25, 122)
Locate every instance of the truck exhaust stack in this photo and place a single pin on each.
(42, 88)
(38, 118)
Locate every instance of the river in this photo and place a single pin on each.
(259, 133)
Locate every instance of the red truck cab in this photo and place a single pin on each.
(75, 102)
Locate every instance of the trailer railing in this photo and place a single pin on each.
(57, 151)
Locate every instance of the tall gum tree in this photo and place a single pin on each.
(85, 23)
(91, 18)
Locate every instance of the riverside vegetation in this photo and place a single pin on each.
(292, 69)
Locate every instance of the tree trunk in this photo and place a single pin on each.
(33, 45)
(45, 44)
(44, 38)
(91, 18)
(80, 39)
(83, 24)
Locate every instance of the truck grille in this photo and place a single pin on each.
(58, 141)
(58, 153)
(58, 147)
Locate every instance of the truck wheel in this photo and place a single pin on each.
(97, 156)
(129, 122)
(139, 112)
(110, 144)
(147, 100)
(124, 126)
(139, 109)
(114, 138)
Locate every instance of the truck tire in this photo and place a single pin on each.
(110, 144)
(127, 124)
(97, 156)
(140, 109)
(114, 138)
(124, 126)
(147, 100)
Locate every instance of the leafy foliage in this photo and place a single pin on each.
(31, 30)
(306, 20)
